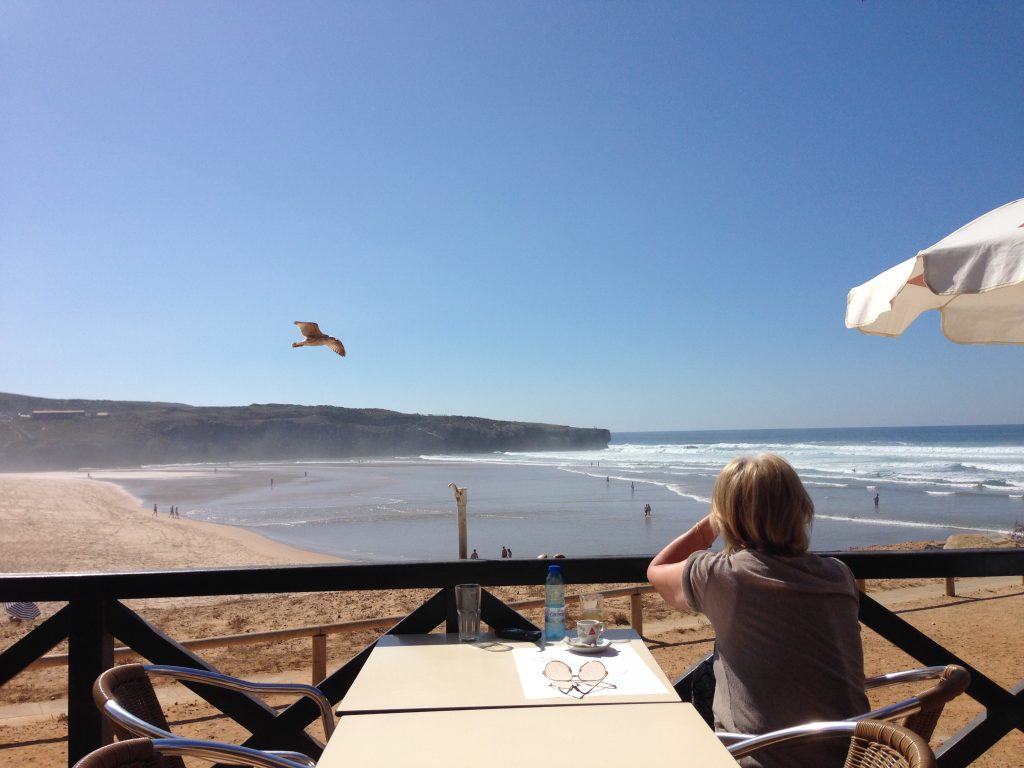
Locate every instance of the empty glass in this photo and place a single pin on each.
(590, 606)
(467, 603)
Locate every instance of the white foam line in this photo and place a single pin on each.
(672, 487)
(909, 524)
(680, 492)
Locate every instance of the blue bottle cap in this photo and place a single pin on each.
(554, 569)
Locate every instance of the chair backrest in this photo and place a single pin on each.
(952, 681)
(130, 688)
(877, 744)
(133, 753)
(925, 708)
(873, 743)
(158, 753)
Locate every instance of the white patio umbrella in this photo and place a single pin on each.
(974, 277)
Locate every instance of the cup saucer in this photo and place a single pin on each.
(575, 645)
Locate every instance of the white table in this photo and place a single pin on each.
(624, 734)
(436, 672)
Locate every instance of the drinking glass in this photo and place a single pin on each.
(467, 603)
(590, 606)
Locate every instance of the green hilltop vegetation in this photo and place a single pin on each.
(45, 434)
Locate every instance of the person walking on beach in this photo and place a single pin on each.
(876, 501)
(509, 551)
(154, 510)
(474, 556)
(504, 553)
(775, 607)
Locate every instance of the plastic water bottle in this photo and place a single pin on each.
(554, 605)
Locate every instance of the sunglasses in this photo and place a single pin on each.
(590, 678)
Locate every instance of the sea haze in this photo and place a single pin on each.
(931, 482)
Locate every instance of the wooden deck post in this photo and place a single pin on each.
(319, 656)
(950, 586)
(636, 612)
(90, 652)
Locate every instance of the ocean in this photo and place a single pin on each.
(931, 482)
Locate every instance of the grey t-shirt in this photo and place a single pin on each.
(787, 639)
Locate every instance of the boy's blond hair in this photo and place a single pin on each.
(759, 503)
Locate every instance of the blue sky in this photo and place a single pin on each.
(629, 215)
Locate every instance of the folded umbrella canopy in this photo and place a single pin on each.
(974, 277)
(22, 611)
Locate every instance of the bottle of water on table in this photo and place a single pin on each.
(554, 605)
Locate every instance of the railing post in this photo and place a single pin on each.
(950, 586)
(636, 612)
(319, 656)
(90, 652)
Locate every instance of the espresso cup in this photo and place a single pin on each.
(589, 631)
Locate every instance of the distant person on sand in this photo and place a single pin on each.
(154, 509)
(774, 606)
(504, 552)
(474, 556)
(876, 501)
(510, 551)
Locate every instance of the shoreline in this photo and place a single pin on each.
(115, 529)
(61, 522)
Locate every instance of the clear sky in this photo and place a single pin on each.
(635, 215)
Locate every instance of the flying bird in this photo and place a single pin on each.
(317, 338)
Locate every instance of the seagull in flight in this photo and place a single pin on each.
(317, 338)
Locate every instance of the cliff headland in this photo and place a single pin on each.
(46, 434)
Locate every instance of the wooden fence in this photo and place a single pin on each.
(94, 616)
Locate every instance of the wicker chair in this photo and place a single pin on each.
(920, 712)
(873, 743)
(126, 696)
(159, 753)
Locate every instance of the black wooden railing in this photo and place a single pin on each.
(94, 617)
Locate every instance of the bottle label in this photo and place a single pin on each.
(554, 614)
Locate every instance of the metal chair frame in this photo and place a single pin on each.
(146, 753)
(873, 743)
(919, 713)
(130, 723)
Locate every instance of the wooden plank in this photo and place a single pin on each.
(373, 576)
(90, 652)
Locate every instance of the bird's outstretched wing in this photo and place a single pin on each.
(317, 338)
(309, 330)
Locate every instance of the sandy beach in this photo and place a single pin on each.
(64, 522)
